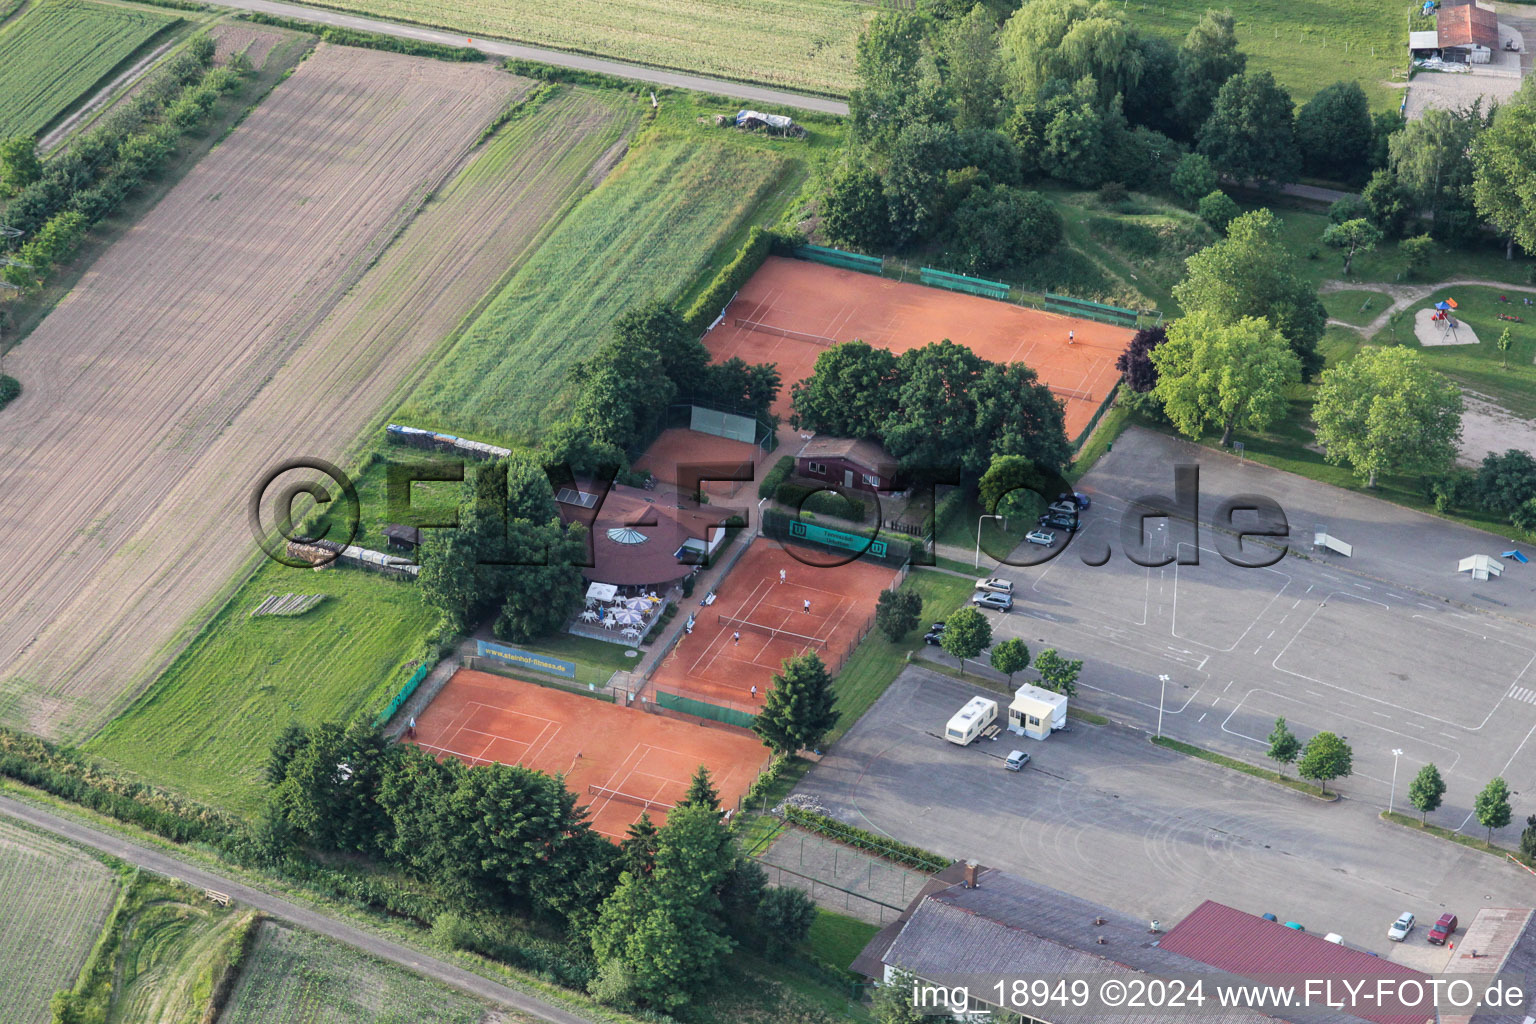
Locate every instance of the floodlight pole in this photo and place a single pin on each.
(1392, 799)
(1160, 695)
(978, 538)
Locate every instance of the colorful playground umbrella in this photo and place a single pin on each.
(1451, 303)
(1442, 304)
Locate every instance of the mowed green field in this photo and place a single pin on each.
(1303, 42)
(55, 52)
(806, 45)
(646, 233)
(295, 977)
(53, 902)
(205, 727)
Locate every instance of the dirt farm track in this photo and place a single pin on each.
(267, 308)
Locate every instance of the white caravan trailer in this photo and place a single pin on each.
(969, 721)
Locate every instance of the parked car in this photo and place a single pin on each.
(999, 602)
(1060, 521)
(1016, 761)
(1401, 927)
(1066, 508)
(996, 585)
(1271, 917)
(1335, 938)
(1077, 498)
(1293, 926)
(934, 637)
(1443, 929)
(1042, 537)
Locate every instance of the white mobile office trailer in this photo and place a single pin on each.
(969, 721)
(1036, 711)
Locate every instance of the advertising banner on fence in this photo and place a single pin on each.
(525, 659)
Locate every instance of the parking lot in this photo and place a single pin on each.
(1104, 814)
(1391, 648)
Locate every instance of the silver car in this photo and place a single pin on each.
(1400, 928)
(996, 585)
(1045, 538)
(999, 602)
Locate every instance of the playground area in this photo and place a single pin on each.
(791, 310)
(775, 604)
(619, 761)
(679, 456)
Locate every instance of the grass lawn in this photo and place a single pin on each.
(836, 939)
(1355, 306)
(1460, 839)
(1481, 367)
(998, 536)
(204, 728)
(877, 662)
(1257, 772)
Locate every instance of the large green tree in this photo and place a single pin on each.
(1058, 673)
(1334, 130)
(897, 613)
(1504, 170)
(997, 226)
(1283, 744)
(1250, 135)
(966, 634)
(920, 158)
(850, 392)
(888, 65)
(854, 210)
(800, 708)
(1252, 272)
(1325, 757)
(19, 166)
(1017, 414)
(1010, 656)
(971, 69)
(1050, 45)
(1492, 807)
(1432, 160)
(1225, 375)
(1386, 411)
(1352, 237)
(1426, 791)
(1207, 59)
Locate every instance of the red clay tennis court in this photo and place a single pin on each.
(714, 665)
(680, 447)
(616, 760)
(826, 305)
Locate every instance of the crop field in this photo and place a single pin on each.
(205, 727)
(264, 310)
(55, 899)
(1305, 46)
(56, 51)
(645, 233)
(295, 977)
(805, 45)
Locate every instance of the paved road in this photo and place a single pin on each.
(173, 867)
(559, 58)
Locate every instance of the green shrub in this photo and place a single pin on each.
(947, 508)
(10, 390)
(859, 839)
(1218, 210)
(776, 476)
(818, 500)
(759, 244)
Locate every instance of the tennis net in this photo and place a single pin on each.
(639, 801)
(785, 332)
(1071, 392)
(778, 634)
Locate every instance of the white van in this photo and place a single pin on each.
(969, 721)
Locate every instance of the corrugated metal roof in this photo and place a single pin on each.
(1466, 25)
(1505, 942)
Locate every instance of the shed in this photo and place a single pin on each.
(1481, 566)
(1467, 26)
(1036, 711)
(402, 538)
(852, 463)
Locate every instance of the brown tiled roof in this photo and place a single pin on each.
(1466, 25)
(864, 453)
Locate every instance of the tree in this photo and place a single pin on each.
(1523, 516)
(1048, 45)
(1348, 207)
(1057, 673)
(1333, 131)
(1223, 374)
(1218, 210)
(1528, 839)
(966, 634)
(1352, 236)
(850, 392)
(1136, 361)
(1492, 807)
(968, 63)
(1075, 150)
(785, 916)
(1416, 252)
(920, 158)
(701, 791)
(798, 711)
(1012, 486)
(637, 853)
(893, 1002)
(1250, 135)
(998, 226)
(1504, 343)
(897, 613)
(1504, 171)
(854, 210)
(1324, 758)
(1016, 414)
(1251, 272)
(1386, 411)
(1283, 744)
(19, 166)
(887, 64)
(1426, 791)
(1503, 482)
(933, 425)
(1207, 59)
(1386, 202)
(1194, 178)
(1010, 656)
(1431, 159)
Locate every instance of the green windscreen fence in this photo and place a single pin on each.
(1092, 310)
(723, 424)
(404, 694)
(703, 709)
(839, 258)
(961, 283)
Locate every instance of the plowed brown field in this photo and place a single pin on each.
(267, 308)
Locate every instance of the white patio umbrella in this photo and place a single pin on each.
(628, 618)
(638, 604)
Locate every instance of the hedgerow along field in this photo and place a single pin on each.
(296, 977)
(55, 52)
(53, 902)
(646, 233)
(205, 727)
(805, 45)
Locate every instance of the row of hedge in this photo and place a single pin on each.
(760, 243)
(947, 508)
(859, 839)
(10, 390)
(368, 40)
(769, 485)
(818, 499)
